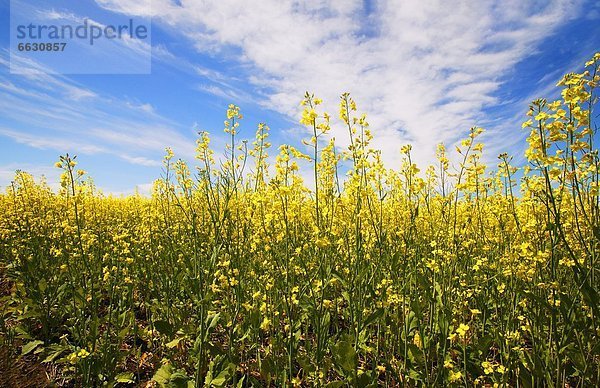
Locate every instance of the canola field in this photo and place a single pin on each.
(237, 273)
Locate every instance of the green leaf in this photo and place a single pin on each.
(364, 380)
(163, 374)
(22, 333)
(344, 354)
(575, 356)
(240, 383)
(415, 354)
(164, 327)
(30, 346)
(305, 363)
(43, 285)
(373, 317)
(125, 377)
(214, 319)
(223, 377)
(123, 332)
(52, 352)
(179, 380)
(174, 343)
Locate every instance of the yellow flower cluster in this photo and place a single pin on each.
(238, 273)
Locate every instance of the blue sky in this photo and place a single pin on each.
(423, 73)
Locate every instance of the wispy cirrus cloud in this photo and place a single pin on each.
(225, 92)
(48, 111)
(54, 143)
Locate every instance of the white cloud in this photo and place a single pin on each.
(53, 14)
(424, 71)
(76, 93)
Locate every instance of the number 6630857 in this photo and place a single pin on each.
(41, 46)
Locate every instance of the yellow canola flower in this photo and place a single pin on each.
(265, 324)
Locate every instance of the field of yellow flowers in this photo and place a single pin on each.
(234, 273)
